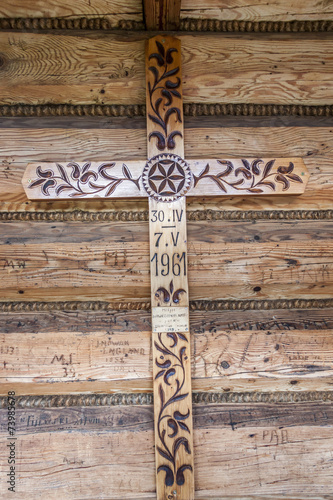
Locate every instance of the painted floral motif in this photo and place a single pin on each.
(172, 425)
(80, 181)
(254, 176)
(164, 88)
(170, 295)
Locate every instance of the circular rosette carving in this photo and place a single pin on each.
(166, 177)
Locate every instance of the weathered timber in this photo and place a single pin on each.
(289, 389)
(109, 68)
(224, 356)
(111, 11)
(284, 349)
(106, 263)
(162, 15)
(84, 321)
(314, 144)
(244, 10)
(230, 440)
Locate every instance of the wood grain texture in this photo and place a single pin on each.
(219, 357)
(243, 10)
(110, 261)
(112, 10)
(111, 352)
(213, 9)
(314, 144)
(291, 389)
(33, 322)
(229, 441)
(109, 68)
(162, 15)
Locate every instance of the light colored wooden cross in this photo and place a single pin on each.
(166, 178)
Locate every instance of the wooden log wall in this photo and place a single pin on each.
(74, 297)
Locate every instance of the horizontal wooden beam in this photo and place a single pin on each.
(245, 10)
(267, 260)
(112, 10)
(229, 441)
(111, 13)
(230, 350)
(109, 69)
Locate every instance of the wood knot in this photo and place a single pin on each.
(225, 365)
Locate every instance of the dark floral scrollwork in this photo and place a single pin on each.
(80, 181)
(169, 295)
(166, 90)
(252, 176)
(172, 423)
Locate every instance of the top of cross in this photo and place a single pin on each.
(166, 176)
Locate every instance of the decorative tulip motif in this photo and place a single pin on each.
(170, 295)
(171, 424)
(80, 181)
(252, 179)
(164, 89)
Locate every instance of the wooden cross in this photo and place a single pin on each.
(166, 178)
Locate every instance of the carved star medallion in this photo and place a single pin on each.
(166, 177)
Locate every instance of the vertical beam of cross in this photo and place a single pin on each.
(166, 178)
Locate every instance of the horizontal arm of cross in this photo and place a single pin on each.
(133, 179)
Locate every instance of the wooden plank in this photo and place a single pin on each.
(109, 68)
(243, 10)
(111, 10)
(284, 349)
(229, 440)
(84, 321)
(296, 388)
(118, 351)
(20, 146)
(213, 9)
(162, 14)
(217, 354)
(115, 264)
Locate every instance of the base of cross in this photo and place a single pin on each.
(167, 179)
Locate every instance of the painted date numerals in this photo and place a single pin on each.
(166, 264)
(159, 216)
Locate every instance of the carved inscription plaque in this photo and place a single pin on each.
(170, 319)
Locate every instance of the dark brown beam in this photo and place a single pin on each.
(161, 14)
